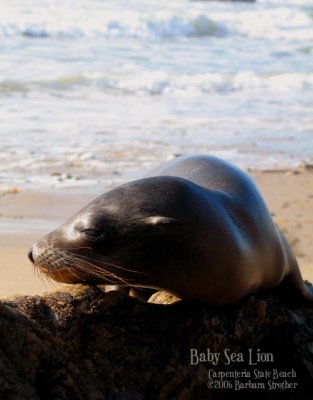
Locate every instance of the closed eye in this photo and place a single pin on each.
(94, 233)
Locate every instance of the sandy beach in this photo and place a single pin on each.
(25, 216)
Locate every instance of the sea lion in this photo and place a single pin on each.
(196, 227)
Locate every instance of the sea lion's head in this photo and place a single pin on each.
(136, 235)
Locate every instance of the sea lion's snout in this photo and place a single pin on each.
(53, 262)
(30, 255)
(42, 254)
(33, 253)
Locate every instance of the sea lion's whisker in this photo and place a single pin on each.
(42, 276)
(126, 269)
(105, 261)
(84, 259)
(38, 273)
(92, 269)
(60, 276)
(107, 276)
(69, 268)
(110, 264)
(99, 272)
(62, 259)
(46, 278)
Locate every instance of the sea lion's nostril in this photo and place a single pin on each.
(30, 255)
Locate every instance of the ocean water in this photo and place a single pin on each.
(97, 92)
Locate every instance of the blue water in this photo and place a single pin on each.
(99, 92)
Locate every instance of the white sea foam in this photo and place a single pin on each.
(274, 23)
(103, 90)
(160, 83)
(163, 83)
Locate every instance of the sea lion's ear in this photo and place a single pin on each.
(160, 220)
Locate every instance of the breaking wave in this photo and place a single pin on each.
(127, 24)
(162, 83)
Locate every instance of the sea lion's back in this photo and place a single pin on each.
(210, 172)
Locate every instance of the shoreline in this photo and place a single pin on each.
(27, 215)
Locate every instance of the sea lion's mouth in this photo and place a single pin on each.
(67, 266)
(61, 265)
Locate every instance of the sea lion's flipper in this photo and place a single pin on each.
(308, 291)
(141, 294)
(293, 281)
(110, 288)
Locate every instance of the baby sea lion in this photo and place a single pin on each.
(196, 227)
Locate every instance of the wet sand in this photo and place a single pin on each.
(25, 216)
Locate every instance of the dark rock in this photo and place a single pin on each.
(87, 344)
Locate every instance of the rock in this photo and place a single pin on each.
(163, 298)
(87, 344)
